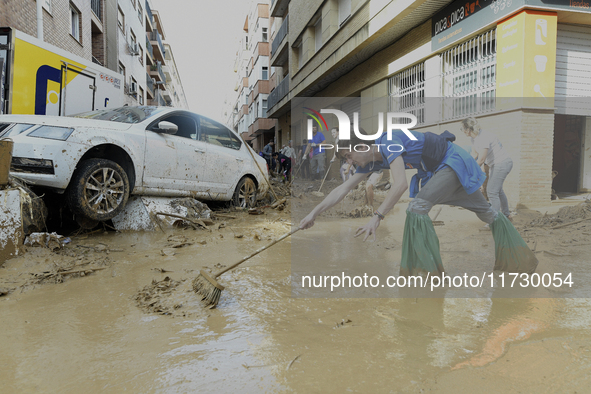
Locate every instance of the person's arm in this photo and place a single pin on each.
(473, 153)
(481, 156)
(333, 198)
(398, 188)
(308, 147)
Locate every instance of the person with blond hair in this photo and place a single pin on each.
(487, 149)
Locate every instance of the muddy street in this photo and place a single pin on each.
(135, 324)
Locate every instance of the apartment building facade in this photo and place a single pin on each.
(174, 92)
(122, 35)
(66, 23)
(519, 66)
(253, 80)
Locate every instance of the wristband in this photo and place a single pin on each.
(378, 214)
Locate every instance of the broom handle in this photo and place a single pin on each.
(330, 164)
(257, 163)
(257, 252)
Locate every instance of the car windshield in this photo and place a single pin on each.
(122, 115)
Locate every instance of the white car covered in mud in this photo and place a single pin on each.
(100, 158)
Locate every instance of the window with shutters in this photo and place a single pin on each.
(469, 76)
(406, 92)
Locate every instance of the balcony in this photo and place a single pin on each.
(279, 8)
(157, 73)
(149, 53)
(279, 92)
(149, 86)
(158, 47)
(158, 98)
(97, 8)
(262, 49)
(261, 125)
(261, 87)
(281, 34)
(167, 73)
(149, 18)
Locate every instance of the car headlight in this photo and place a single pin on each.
(52, 132)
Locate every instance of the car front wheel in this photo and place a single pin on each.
(245, 195)
(99, 189)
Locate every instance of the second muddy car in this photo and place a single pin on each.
(100, 158)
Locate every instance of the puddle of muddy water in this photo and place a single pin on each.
(88, 335)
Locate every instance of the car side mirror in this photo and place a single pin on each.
(167, 128)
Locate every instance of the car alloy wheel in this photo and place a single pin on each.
(245, 195)
(99, 189)
(104, 190)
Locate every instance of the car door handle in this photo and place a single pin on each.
(199, 150)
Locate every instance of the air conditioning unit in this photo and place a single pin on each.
(133, 88)
(134, 49)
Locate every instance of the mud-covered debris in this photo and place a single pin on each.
(5, 291)
(161, 270)
(191, 208)
(361, 212)
(255, 211)
(168, 252)
(342, 323)
(33, 209)
(564, 215)
(52, 241)
(59, 272)
(152, 298)
(177, 241)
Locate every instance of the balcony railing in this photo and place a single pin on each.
(149, 48)
(279, 92)
(150, 84)
(155, 36)
(149, 12)
(281, 33)
(158, 67)
(97, 7)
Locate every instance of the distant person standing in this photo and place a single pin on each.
(304, 164)
(267, 152)
(318, 155)
(487, 149)
(290, 152)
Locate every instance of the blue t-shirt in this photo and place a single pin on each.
(469, 173)
(317, 139)
(400, 145)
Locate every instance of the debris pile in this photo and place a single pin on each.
(361, 212)
(564, 215)
(153, 297)
(52, 241)
(191, 208)
(77, 267)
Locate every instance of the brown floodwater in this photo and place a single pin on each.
(88, 334)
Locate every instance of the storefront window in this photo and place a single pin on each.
(469, 76)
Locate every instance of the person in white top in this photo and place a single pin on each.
(487, 149)
(289, 151)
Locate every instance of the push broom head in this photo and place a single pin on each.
(208, 289)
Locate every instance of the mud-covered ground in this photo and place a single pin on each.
(115, 312)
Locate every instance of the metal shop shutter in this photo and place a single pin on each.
(573, 70)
